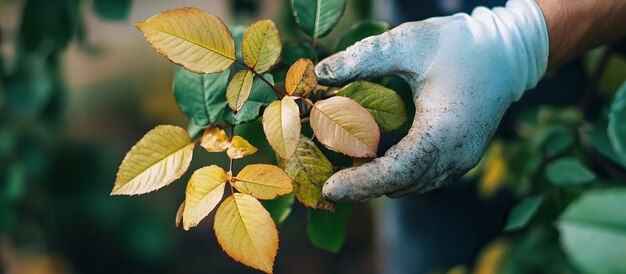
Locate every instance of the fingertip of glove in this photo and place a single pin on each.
(332, 70)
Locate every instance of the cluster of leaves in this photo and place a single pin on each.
(567, 171)
(220, 71)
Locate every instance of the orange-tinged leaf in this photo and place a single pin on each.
(246, 232)
(345, 126)
(158, 159)
(215, 140)
(301, 78)
(195, 39)
(261, 46)
(239, 148)
(263, 181)
(204, 190)
(238, 89)
(281, 124)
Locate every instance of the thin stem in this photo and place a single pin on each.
(313, 42)
(597, 76)
(278, 91)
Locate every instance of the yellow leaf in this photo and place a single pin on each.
(263, 181)
(179, 214)
(301, 78)
(195, 39)
(239, 148)
(238, 89)
(246, 232)
(204, 190)
(215, 140)
(345, 126)
(159, 158)
(494, 173)
(261, 46)
(491, 257)
(281, 124)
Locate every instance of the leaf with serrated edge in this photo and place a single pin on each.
(204, 190)
(384, 104)
(195, 39)
(246, 232)
(238, 89)
(215, 140)
(309, 169)
(159, 158)
(281, 124)
(261, 46)
(345, 126)
(239, 148)
(179, 214)
(263, 181)
(301, 78)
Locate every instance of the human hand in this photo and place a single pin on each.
(464, 72)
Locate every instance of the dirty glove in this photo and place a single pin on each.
(464, 71)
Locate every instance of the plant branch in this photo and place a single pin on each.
(278, 91)
(596, 77)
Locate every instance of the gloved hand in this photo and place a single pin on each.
(464, 71)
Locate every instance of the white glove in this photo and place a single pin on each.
(464, 71)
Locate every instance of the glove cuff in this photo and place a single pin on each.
(524, 36)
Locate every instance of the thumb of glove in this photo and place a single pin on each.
(371, 57)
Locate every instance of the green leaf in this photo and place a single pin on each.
(202, 97)
(568, 171)
(294, 51)
(617, 123)
(600, 141)
(593, 231)
(521, 214)
(384, 104)
(280, 208)
(261, 95)
(327, 230)
(112, 9)
(238, 32)
(309, 169)
(360, 31)
(318, 17)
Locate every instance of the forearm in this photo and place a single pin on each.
(575, 26)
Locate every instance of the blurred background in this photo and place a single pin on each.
(80, 85)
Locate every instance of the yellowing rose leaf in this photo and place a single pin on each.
(281, 124)
(238, 89)
(345, 126)
(263, 181)
(159, 158)
(246, 232)
(204, 190)
(215, 140)
(261, 46)
(192, 38)
(301, 78)
(179, 214)
(239, 148)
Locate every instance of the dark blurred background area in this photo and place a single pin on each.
(79, 86)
